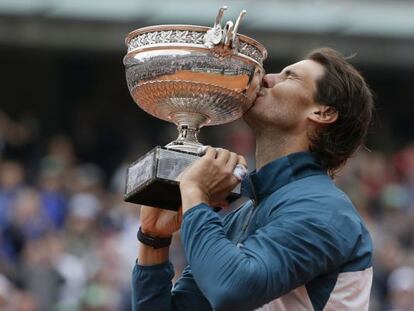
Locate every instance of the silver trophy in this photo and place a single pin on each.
(193, 76)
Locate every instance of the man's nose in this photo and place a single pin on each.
(270, 80)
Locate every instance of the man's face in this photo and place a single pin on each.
(286, 98)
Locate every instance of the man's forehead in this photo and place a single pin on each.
(307, 67)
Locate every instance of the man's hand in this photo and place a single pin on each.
(210, 179)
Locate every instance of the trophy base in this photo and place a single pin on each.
(152, 179)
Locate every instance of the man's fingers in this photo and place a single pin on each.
(232, 161)
(222, 156)
(210, 153)
(242, 161)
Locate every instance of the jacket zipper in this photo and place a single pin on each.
(252, 210)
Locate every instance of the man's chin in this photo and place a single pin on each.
(254, 106)
(249, 115)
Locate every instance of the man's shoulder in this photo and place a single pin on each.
(316, 199)
(316, 203)
(318, 183)
(312, 191)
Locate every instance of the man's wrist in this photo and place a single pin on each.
(192, 196)
(153, 240)
(149, 256)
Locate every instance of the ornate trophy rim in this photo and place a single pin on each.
(183, 46)
(244, 40)
(166, 27)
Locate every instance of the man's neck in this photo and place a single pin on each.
(271, 146)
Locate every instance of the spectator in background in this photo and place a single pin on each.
(38, 273)
(53, 170)
(6, 290)
(13, 299)
(12, 134)
(11, 181)
(28, 215)
(11, 184)
(401, 289)
(53, 199)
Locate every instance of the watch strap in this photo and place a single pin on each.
(155, 242)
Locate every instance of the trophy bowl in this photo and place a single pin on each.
(192, 76)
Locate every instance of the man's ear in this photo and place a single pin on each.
(323, 114)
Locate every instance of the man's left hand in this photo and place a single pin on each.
(210, 179)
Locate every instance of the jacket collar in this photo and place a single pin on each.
(280, 172)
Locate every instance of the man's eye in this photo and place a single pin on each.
(290, 74)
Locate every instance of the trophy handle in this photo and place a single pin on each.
(228, 34)
(219, 17)
(237, 25)
(215, 35)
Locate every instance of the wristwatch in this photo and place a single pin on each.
(155, 242)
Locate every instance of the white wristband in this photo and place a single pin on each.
(240, 171)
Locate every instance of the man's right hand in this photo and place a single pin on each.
(159, 222)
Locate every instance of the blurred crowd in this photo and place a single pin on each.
(68, 241)
(381, 185)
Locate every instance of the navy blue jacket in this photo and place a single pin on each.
(298, 244)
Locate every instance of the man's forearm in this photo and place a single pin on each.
(150, 279)
(149, 256)
(151, 287)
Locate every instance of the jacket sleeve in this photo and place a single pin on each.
(288, 251)
(151, 287)
(151, 290)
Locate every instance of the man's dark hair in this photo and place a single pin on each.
(344, 89)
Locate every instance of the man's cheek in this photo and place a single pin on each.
(280, 91)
